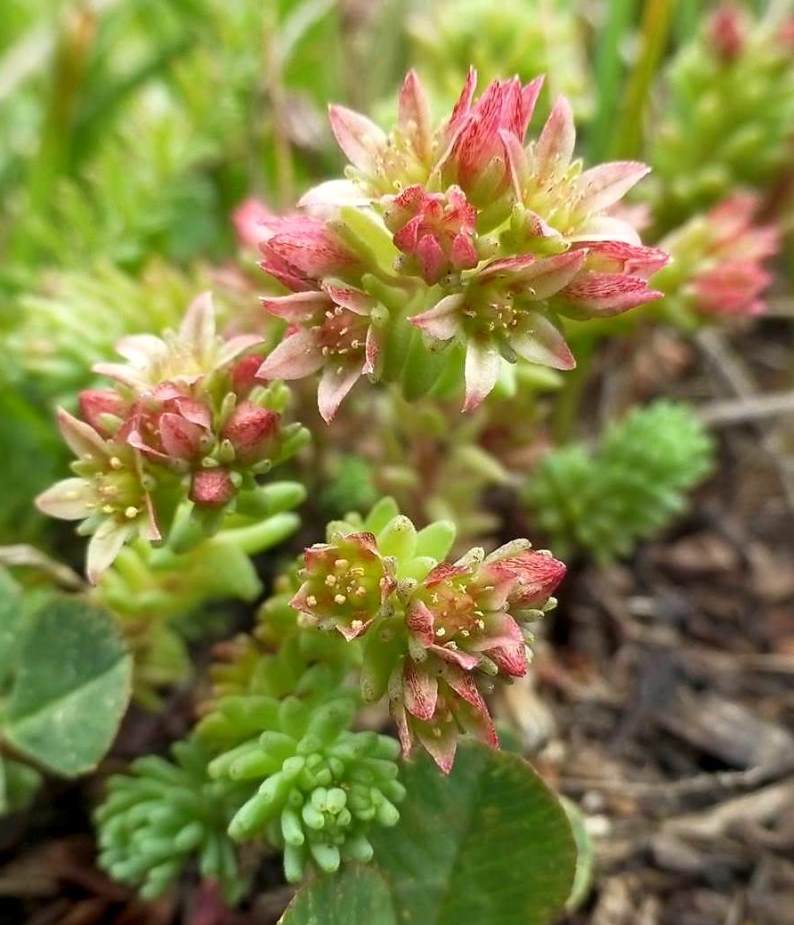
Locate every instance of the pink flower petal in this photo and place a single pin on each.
(541, 342)
(414, 114)
(297, 308)
(431, 258)
(420, 621)
(360, 139)
(335, 383)
(556, 142)
(606, 228)
(420, 690)
(80, 437)
(296, 356)
(69, 499)
(442, 321)
(180, 438)
(517, 161)
(462, 107)
(601, 295)
(198, 325)
(233, 347)
(353, 300)
(325, 199)
(602, 186)
(481, 371)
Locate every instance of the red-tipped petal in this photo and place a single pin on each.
(481, 370)
(602, 186)
(296, 356)
(358, 137)
(442, 321)
(414, 113)
(600, 295)
(335, 383)
(420, 690)
(556, 142)
(180, 438)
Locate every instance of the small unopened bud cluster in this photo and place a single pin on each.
(718, 268)
(435, 635)
(186, 421)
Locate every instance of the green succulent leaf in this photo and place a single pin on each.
(70, 688)
(357, 895)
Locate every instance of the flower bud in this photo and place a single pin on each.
(251, 430)
(212, 488)
(95, 403)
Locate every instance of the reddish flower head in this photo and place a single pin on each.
(345, 584)
(436, 231)
(728, 31)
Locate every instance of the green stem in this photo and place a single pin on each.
(569, 399)
(656, 21)
(608, 72)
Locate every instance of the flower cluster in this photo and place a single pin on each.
(718, 266)
(459, 232)
(186, 422)
(434, 634)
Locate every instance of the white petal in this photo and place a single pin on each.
(442, 321)
(104, 546)
(481, 372)
(70, 499)
(324, 200)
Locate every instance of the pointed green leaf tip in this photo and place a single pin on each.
(71, 686)
(488, 845)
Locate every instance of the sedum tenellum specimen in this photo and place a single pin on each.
(631, 486)
(374, 613)
(176, 445)
(452, 249)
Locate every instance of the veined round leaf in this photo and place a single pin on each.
(71, 686)
(488, 845)
(12, 613)
(356, 896)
